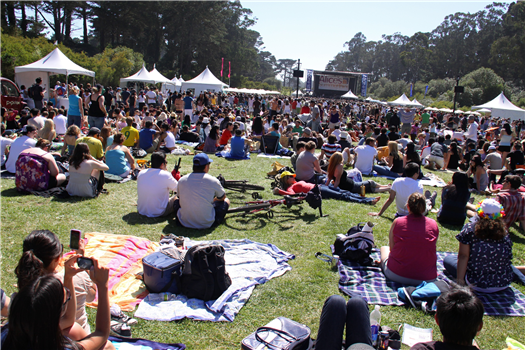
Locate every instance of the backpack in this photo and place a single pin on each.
(356, 245)
(423, 296)
(31, 93)
(32, 173)
(204, 276)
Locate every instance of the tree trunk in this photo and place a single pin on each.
(67, 22)
(23, 20)
(10, 9)
(85, 25)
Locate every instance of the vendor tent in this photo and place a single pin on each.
(142, 76)
(417, 104)
(204, 81)
(402, 101)
(54, 63)
(501, 107)
(167, 84)
(349, 94)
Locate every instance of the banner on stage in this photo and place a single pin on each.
(309, 74)
(334, 82)
(364, 83)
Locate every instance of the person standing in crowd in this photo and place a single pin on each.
(75, 113)
(188, 105)
(97, 112)
(38, 93)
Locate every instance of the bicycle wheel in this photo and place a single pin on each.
(245, 187)
(249, 207)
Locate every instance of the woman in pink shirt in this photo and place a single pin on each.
(410, 257)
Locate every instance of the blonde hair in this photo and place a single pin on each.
(393, 149)
(48, 127)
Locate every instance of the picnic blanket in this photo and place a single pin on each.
(123, 256)
(59, 192)
(186, 143)
(248, 263)
(272, 156)
(227, 155)
(433, 180)
(7, 175)
(371, 284)
(121, 343)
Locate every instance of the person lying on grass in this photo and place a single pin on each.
(289, 187)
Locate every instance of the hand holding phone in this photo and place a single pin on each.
(85, 263)
(74, 239)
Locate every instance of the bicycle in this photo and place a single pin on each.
(240, 186)
(257, 206)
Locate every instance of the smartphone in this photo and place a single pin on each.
(74, 238)
(84, 263)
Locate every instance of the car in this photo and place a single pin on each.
(11, 97)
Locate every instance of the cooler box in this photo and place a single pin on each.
(161, 273)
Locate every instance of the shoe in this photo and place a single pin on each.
(471, 200)
(427, 194)
(433, 199)
(120, 329)
(123, 318)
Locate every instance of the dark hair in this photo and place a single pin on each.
(477, 162)
(310, 145)
(34, 316)
(332, 139)
(417, 204)
(454, 148)
(370, 140)
(459, 314)
(459, 186)
(80, 154)
(514, 180)
(214, 132)
(42, 143)
(148, 124)
(199, 168)
(507, 128)
(40, 248)
(157, 159)
(257, 126)
(300, 145)
(118, 139)
(487, 228)
(165, 126)
(411, 169)
(104, 134)
(238, 132)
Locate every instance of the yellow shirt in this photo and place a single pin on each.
(95, 146)
(131, 134)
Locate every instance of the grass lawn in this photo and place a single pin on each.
(299, 294)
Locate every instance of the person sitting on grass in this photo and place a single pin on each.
(484, 259)
(119, 158)
(455, 206)
(338, 177)
(308, 168)
(410, 257)
(86, 174)
(394, 162)
(513, 201)
(290, 187)
(402, 188)
(329, 148)
(153, 188)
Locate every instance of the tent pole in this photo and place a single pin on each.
(67, 83)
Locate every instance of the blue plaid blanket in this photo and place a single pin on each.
(370, 283)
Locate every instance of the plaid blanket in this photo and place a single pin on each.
(370, 283)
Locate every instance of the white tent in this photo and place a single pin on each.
(298, 92)
(54, 63)
(349, 94)
(417, 103)
(176, 81)
(142, 76)
(402, 101)
(501, 107)
(167, 84)
(204, 81)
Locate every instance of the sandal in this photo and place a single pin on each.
(120, 329)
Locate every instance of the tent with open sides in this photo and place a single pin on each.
(53, 63)
(204, 81)
(350, 95)
(167, 84)
(501, 107)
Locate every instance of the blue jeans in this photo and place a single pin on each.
(384, 171)
(451, 266)
(335, 315)
(97, 122)
(316, 179)
(74, 119)
(330, 192)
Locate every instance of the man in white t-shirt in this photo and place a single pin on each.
(167, 136)
(36, 119)
(151, 96)
(60, 122)
(365, 156)
(472, 131)
(202, 201)
(401, 189)
(153, 188)
(20, 144)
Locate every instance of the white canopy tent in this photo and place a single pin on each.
(204, 81)
(402, 101)
(142, 76)
(350, 95)
(167, 84)
(53, 63)
(417, 103)
(501, 107)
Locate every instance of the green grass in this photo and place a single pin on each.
(299, 294)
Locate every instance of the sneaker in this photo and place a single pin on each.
(123, 318)
(427, 194)
(433, 199)
(120, 329)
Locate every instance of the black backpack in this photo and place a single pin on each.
(31, 93)
(204, 276)
(355, 245)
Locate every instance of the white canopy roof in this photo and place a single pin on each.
(349, 94)
(416, 103)
(159, 77)
(141, 76)
(501, 107)
(176, 81)
(55, 63)
(402, 101)
(204, 81)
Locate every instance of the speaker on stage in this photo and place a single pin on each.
(298, 73)
(459, 89)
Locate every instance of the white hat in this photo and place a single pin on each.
(205, 120)
(344, 135)
(490, 208)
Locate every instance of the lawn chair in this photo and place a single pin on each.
(269, 144)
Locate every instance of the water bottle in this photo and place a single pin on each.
(375, 323)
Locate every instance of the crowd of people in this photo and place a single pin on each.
(335, 144)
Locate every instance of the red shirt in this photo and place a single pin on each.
(298, 187)
(294, 104)
(305, 110)
(226, 135)
(414, 253)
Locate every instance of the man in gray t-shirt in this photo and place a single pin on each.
(316, 117)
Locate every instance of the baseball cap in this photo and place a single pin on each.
(201, 159)
(286, 173)
(307, 131)
(492, 148)
(94, 131)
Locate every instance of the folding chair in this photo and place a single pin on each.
(269, 144)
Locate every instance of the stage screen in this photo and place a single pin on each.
(333, 82)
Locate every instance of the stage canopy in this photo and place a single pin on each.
(350, 94)
(54, 63)
(501, 107)
(204, 81)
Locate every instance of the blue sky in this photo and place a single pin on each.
(315, 31)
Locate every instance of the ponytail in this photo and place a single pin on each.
(29, 268)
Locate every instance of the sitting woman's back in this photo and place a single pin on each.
(86, 178)
(454, 199)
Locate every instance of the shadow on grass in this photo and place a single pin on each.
(515, 238)
(135, 218)
(11, 192)
(259, 220)
(452, 227)
(175, 228)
